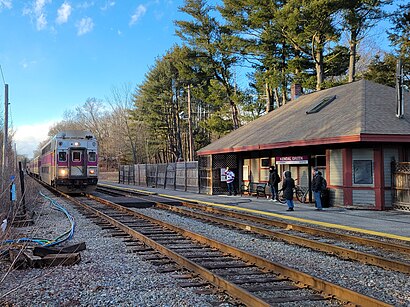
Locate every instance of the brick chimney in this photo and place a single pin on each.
(295, 91)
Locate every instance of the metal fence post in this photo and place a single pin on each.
(186, 175)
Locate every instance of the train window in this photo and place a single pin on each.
(76, 156)
(92, 157)
(62, 156)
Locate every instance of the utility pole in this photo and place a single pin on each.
(5, 134)
(399, 89)
(191, 142)
(15, 157)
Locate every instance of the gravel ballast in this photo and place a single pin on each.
(105, 276)
(388, 286)
(108, 276)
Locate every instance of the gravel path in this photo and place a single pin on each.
(105, 276)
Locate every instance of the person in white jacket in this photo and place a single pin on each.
(230, 177)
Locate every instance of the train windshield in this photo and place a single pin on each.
(76, 156)
(62, 156)
(92, 156)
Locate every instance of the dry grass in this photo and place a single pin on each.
(108, 176)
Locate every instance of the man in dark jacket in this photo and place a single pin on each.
(274, 180)
(317, 187)
(287, 186)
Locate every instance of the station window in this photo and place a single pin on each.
(62, 156)
(363, 171)
(264, 169)
(321, 104)
(76, 156)
(320, 161)
(92, 157)
(265, 162)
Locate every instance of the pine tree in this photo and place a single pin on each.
(309, 27)
(358, 17)
(209, 39)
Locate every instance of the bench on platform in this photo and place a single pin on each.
(253, 188)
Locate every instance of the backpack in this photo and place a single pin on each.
(324, 184)
(278, 179)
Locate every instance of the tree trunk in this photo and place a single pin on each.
(284, 100)
(319, 64)
(283, 71)
(235, 112)
(278, 103)
(177, 127)
(269, 105)
(352, 58)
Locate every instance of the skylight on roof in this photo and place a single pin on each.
(321, 104)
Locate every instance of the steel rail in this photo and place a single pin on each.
(236, 292)
(320, 246)
(306, 229)
(320, 285)
(291, 226)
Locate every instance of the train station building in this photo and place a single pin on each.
(352, 133)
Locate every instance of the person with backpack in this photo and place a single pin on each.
(287, 186)
(274, 180)
(318, 186)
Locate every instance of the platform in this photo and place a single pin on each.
(390, 224)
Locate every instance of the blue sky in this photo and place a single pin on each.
(55, 54)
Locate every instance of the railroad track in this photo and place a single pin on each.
(358, 248)
(250, 279)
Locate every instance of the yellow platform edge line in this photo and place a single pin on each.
(324, 224)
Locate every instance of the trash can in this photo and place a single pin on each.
(325, 198)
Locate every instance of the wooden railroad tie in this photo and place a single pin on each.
(41, 257)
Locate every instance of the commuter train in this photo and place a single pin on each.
(68, 162)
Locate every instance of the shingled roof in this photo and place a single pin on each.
(361, 111)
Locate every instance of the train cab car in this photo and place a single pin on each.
(33, 167)
(69, 162)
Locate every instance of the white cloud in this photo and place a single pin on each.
(63, 13)
(108, 5)
(5, 4)
(28, 137)
(37, 12)
(27, 63)
(84, 26)
(41, 22)
(86, 5)
(139, 12)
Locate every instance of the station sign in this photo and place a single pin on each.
(292, 160)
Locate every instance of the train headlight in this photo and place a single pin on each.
(63, 172)
(92, 172)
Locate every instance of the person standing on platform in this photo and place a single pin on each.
(274, 180)
(230, 177)
(317, 188)
(287, 186)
